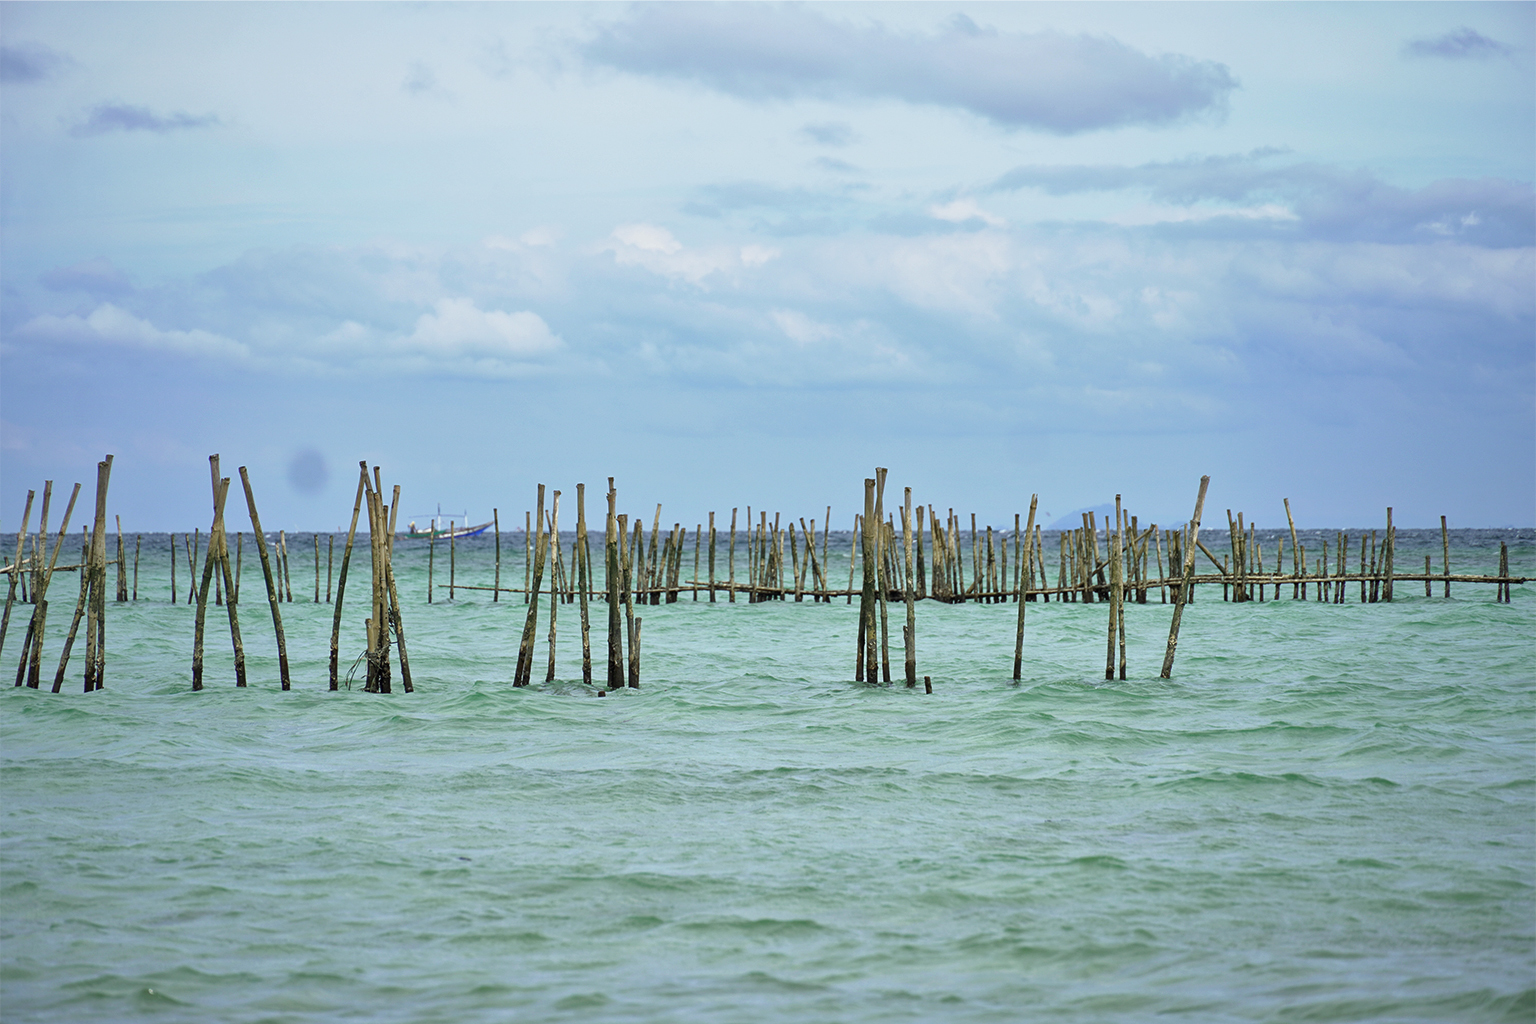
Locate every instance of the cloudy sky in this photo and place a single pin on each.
(739, 254)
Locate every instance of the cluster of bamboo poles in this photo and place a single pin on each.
(90, 605)
(382, 623)
(623, 562)
(897, 566)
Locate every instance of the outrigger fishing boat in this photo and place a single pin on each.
(433, 530)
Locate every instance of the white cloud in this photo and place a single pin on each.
(457, 329)
(107, 324)
(656, 249)
(961, 210)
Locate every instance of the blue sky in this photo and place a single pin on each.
(740, 254)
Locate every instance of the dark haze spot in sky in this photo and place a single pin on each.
(307, 472)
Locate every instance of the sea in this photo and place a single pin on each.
(1328, 813)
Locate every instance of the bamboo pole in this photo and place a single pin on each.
(266, 572)
(711, 558)
(554, 592)
(330, 561)
(15, 573)
(96, 608)
(210, 561)
(1112, 542)
(527, 554)
(380, 681)
(431, 548)
(394, 596)
(1018, 640)
(316, 538)
(631, 555)
(1184, 587)
(173, 568)
(40, 598)
(611, 584)
(1445, 554)
(909, 634)
(219, 541)
(884, 584)
(523, 674)
(453, 562)
(122, 564)
(138, 540)
(732, 559)
(1295, 550)
(867, 637)
(341, 579)
(496, 584)
(1120, 585)
(74, 625)
(1391, 546)
(585, 583)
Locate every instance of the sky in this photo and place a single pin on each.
(741, 254)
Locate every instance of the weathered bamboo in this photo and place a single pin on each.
(855, 544)
(211, 560)
(1018, 639)
(731, 559)
(219, 541)
(378, 536)
(523, 674)
(453, 562)
(826, 536)
(611, 584)
(1295, 550)
(1120, 584)
(40, 600)
(266, 572)
(74, 624)
(138, 540)
(585, 584)
(122, 564)
(1112, 542)
(15, 573)
(394, 597)
(868, 657)
(698, 536)
(1386, 589)
(711, 558)
(527, 553)
(341, 579)
(1445, 556)
(884, 582)
(431, 550)
(282, 542)
(1188, 583)
(630, 621)
(496, 584)
(909, 634)
(96, 608)
(922, 581)
(173, 568)
(554, 591)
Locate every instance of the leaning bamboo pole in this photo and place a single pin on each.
(1187, 584)
(15, 573)
(266, 571)
(1018, 642)
(341, 579)
(40, 603)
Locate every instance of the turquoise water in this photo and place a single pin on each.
(1328, 814)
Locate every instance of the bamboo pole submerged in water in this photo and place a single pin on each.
(341, 580)
(15, 573)
(1018, 642)
(1187, 584)
(266, 571)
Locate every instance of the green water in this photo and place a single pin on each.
(1328, 814)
